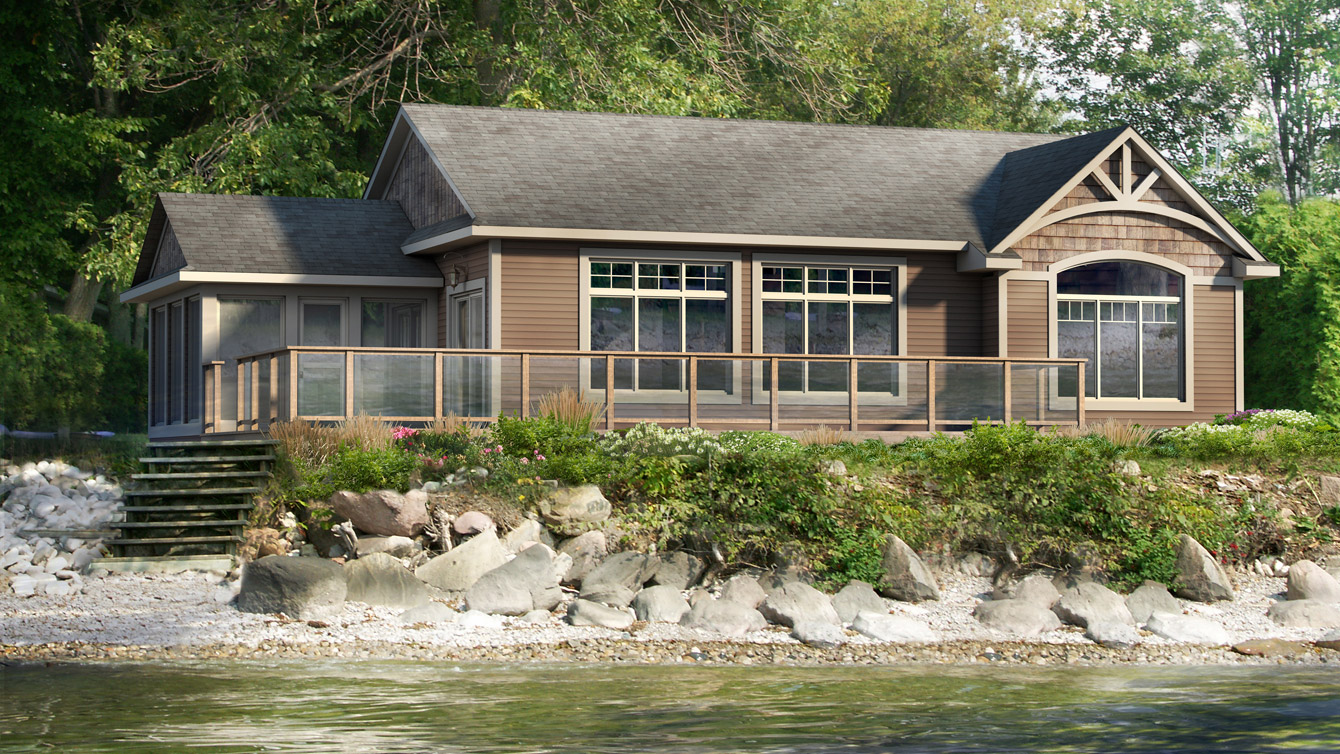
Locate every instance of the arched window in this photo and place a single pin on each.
(1125, 318)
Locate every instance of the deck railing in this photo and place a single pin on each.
(762, 391)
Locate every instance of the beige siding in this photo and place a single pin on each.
(423, 193)
(1028, 325)
(474, 260)
(540, 289)
(944, 307)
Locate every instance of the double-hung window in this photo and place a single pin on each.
(829, 309)
(660, 306)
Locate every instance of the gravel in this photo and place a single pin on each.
(151, 616)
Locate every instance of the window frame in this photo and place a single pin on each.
(897, 297)
(1187, 310)
(423, 304)
(656, 256)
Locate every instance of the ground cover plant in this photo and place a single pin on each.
(1243, 486)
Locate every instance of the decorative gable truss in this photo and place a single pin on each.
(1130, 176)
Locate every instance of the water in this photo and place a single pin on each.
(441, 707)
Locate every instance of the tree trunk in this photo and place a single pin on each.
(120, 319)
(83, 297)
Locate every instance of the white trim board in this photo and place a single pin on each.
(182, 278)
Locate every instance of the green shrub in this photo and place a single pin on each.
(757, 442)
(647, 439)
(359, 471)
(436, 445)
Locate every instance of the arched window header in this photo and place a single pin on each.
(1118, 279)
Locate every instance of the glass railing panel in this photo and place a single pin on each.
(320, 384)
(969, 391)
(399, 385)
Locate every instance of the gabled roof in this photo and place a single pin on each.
(224, 233)
(539, 168)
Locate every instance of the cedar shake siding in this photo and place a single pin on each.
(418, 185)
(170, 257)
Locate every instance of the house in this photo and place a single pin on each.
(782, 274)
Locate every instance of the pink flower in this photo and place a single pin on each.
(403, 432)
(525, 460)
(488, 450)
(539, 457)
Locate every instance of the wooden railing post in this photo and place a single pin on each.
(207, 410)
(774, 411)
(272, 411)
(525, 384)
(1079, 396)
(292, 385)
(348, 384)
(255, 370)
(693, 391)
(437, 386)
(852, 418)
(1007, 392)
(609, 393)
(930, 395)
(241, 394)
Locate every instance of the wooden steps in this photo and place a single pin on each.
(192, 500)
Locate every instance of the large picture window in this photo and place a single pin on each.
(1125, 320)
(830, 309)
(660, 306)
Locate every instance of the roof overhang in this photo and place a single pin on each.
(973, 259)
(181, 279)
(475, 233)
(1250, 269)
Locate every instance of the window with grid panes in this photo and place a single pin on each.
(830, 309)
(660, 306)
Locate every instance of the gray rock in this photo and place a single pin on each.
(525, 532)
(459, 569)
(817, 633)
(572, 510)
(396, 547)
(296, 587)
(744, 589)
(613, 595)
(479, 619)
(380, 579)
(1151, 598)
(1128, 468)
(1199, 575)
(1036, 588)
(1088, 602)
(660, 604)
(1189, 629)
(901, 629)
(431, 612)
(1328, 489)
(1305, 614)
(586, 551)
(587, 613)
(723, 617)
(629, 570)
(680, 570)
(1016, 618)
(855, 597)
(385, 513)
(835, 467)
(797, 602)
(1116, 635)
(774, 580)
(1308, 581)
(904, 576)
(471, 523)
(537, 617)
(527, 582)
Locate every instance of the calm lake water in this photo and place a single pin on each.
(422, 707)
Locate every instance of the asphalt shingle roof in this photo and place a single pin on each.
(284, 235)
(541, 168)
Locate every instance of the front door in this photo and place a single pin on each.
(469, 376)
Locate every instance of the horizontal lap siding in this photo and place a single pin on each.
(944, 307)
(990, 315)
(540, 289)
(1027, 310)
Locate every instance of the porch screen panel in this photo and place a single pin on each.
(158, 367)
(194, 377)
(246, 326)
(176, 343)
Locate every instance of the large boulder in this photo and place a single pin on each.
(296, 587)
(881, 626)
(744, 589)
(429, 612)
(396, 547)
(660, 604)
(459, 569)
(379, 579)
(1115, 635)
(1305, 614)
(618, 578)
(1309, 581)
(385, 513)
(586, 551)
(904, 576)
(680, 570)
(856, 597)
(587, 613)
(1088, 602)
(527, 582)
(1150, 598)
(1199, 575)
(525, 533)
(471, 523)
(1036, 588)
(797, 602)
(818, 633)
(1016, 618)
(723, 617)
(1189, 629)
(569, 511)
